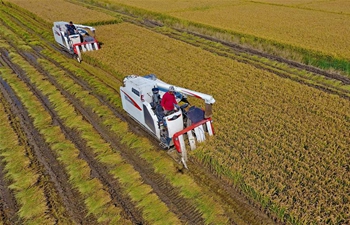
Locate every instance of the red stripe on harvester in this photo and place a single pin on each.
(135, 104)
(197, 96)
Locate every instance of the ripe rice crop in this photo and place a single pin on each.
(339, 6)
(176, 6)
(286, 141)
(304, 28)
(318, 26)
(336, 6)
(60, 10)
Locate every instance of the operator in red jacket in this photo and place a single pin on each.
(168, 100)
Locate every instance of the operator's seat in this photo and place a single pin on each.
(155, 104)
(156, 96)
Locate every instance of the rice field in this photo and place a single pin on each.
(281, 142)
(285, 140)
(61, 10)
(340, 6)
(307, 29)
(337, 6)
(118, 177)
(314, 25)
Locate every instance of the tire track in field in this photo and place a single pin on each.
(98, 171)
(46, 158)
(8, 204)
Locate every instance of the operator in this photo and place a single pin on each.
(168, 101)
(71, 28)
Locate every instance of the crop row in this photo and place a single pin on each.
(24, 178)
(96, 199)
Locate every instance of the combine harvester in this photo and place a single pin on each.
(141, 97)
(82, 41)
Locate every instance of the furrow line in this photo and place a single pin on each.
(8, 204)
(96, 168)
(45, 157)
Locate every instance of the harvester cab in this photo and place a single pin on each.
(77, 43)
(141, 97)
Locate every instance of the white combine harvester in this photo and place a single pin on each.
(141, 96)
(75, 43)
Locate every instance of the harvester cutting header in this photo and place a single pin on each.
(75, 38)
(142, 100)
